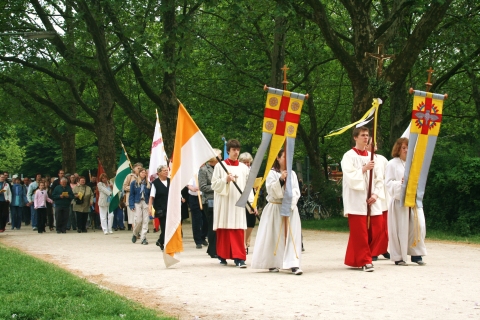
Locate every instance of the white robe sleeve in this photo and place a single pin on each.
(352, 176)
(219, 181)
(295, 190)
(274, 188)
(394, 186)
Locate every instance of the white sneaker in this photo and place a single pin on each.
(110, 231)
(273, 270)
(297, 271)
(368, 268)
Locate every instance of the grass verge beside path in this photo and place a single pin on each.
(34, 289)
(340, 224)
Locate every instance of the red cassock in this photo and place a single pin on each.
(364, 243)
(230, 244)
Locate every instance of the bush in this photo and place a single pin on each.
(452, 198)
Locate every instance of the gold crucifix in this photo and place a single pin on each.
(285, 82)
(428, 84)
(380, 57)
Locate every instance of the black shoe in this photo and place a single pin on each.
(162, 247)
(129, 227)
(223, 262)
(68, 229)
(240, 263)
(73, 229)
(157, 243)
(199, 246)
(205, 243)
(374, 258)
(79, 231)
(59, 232)
(84, 230)
(144, 241)
(64, 231)
(134, 238)
(386, 255)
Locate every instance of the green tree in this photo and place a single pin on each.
(12, 153)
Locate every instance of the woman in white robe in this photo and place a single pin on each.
(406, 232)
(272, 249)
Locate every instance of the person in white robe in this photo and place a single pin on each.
(406, 226)
(229, 221)
(278, 243)
(365, 240)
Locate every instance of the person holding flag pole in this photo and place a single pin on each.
(123, 171)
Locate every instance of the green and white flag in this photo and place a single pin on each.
(122, 172)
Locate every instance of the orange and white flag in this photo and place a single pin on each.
(191, 150)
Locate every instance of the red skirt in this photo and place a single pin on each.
(231, 244)
(363, 242)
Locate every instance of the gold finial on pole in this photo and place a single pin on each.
(285, 82)
(428, 83)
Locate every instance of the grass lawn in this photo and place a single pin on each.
(340, 224)
(33, 289)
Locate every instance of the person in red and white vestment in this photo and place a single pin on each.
(364, 242)
(229, 221)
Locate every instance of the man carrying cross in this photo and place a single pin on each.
(364, 237)
(229, 220)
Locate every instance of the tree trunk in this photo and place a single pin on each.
(399, 112)
(105, 129)
(69, 153)
(169, 107)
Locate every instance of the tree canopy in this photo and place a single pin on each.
(113, 63)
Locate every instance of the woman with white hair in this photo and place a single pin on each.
(159, 201)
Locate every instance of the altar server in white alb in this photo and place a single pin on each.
(406, 226)
(365, 241)
(229, 221)
(278, 244)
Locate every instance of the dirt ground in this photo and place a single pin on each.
(448, 287)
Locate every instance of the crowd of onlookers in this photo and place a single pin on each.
(65, 202)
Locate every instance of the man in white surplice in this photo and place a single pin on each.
(229, 221)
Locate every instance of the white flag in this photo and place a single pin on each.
(157, 153)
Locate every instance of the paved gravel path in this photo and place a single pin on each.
(447, 288)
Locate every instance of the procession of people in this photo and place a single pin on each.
(379, 224)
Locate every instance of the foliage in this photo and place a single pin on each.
(12, 154)
(215, 56)
(33, 289)
(452, 198)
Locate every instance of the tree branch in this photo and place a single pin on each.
(48, 103)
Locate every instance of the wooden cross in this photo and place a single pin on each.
(428, 84)
(380, 57)
(285, 82)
